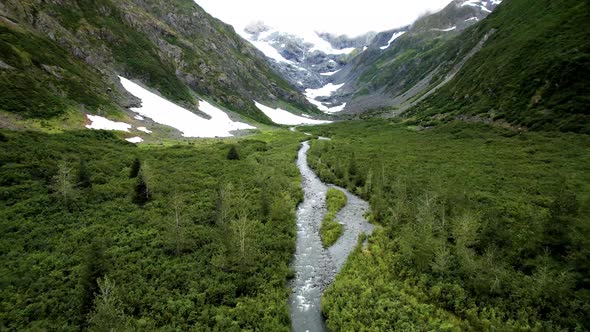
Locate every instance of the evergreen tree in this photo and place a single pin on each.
(135, 168)
(62, 182)
(142, 194)
(108, 315)
(352, 168)
(233, 153)
(223, 203)
(83, 180)
(94, 267)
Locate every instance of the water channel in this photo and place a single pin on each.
(315, 266)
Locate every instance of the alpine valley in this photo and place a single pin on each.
(161, 170)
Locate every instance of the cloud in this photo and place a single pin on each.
(338, 17)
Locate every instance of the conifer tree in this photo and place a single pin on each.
(142, 194)
(135, 168)
(83, 180)
(233, 153)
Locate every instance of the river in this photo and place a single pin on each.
(316, 267)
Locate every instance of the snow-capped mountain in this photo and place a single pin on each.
(308, 60)
(326, 67)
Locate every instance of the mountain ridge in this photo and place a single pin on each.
(174, 47)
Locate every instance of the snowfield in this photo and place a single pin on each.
(144, 129)
(479, 3)
(325, 108)
(392, 39)
(271, 52)
(445, 30)
(330, 73)
(280, 116)
(325, 91)
(167, 113)
(100, 123)
(134, 140)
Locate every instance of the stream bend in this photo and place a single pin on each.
(315, 267)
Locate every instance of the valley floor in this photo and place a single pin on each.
(480, 228)
(101, 234)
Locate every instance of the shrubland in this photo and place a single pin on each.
(98, 233)
(482, 228)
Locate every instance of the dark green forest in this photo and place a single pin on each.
(480, 228)
(102, 235)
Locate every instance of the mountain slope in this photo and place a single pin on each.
(402, 63)
(533, 72)
(173, 47)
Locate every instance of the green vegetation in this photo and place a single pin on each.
(534, 71)
(331, 229)
(209, 249)
(43, 84)
(233, 153)
(483, 228)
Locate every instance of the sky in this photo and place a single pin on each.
(334, 16)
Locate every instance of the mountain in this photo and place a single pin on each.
(307, 60)
(173, 48)
(401, 63)
(533, 72)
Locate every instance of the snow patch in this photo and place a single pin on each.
(144, 129)
(134, 140)
(392, 39)
(280, 116)
(139, 117)
(100, 123)
(478, 3)
(325, 108)
(472, 19)
(330, 73)
(325, 91)
(445, 30)
(322, 45)
(167, 113)
(270, 51)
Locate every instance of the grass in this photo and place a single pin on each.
(331, 229)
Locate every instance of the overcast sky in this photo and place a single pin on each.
(336, 16)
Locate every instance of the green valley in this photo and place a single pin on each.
(163, 170)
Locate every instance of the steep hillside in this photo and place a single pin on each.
(533, 72)
(402, 63)
(59, 55)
